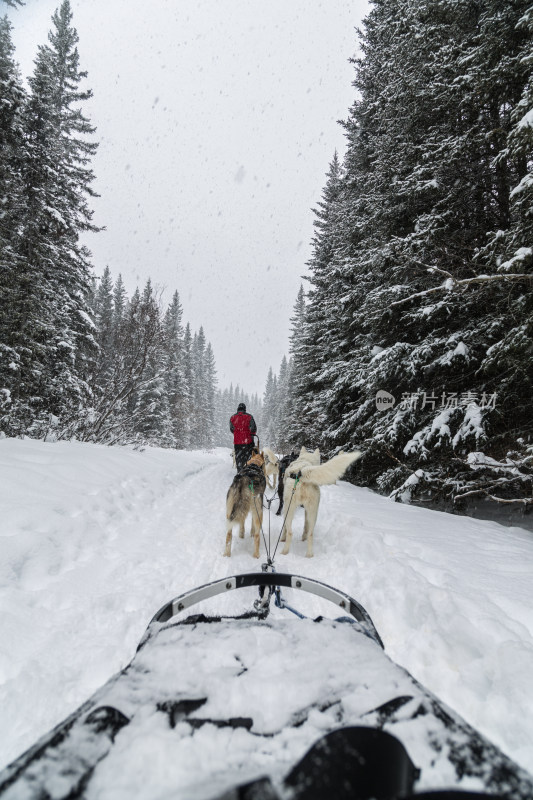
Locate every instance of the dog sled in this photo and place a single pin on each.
(265, 704)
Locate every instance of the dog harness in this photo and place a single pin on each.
(255, 475)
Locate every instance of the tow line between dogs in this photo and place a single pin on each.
(270, 560)
(262, 604)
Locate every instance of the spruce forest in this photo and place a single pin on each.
(413, 340)
(421, 273)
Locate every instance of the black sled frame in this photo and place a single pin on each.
(274, 582)
(362, 762)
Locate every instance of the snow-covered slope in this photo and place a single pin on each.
(94, 540)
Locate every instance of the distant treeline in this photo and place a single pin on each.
(421, 273)
(153, 382)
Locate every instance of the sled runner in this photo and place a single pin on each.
(263, 705)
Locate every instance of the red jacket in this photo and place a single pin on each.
(242, 426)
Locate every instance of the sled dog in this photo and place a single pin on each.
(271, 467)
(283, 463)
(245, 496)
(304, 476)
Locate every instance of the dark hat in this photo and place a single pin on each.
(241, 407)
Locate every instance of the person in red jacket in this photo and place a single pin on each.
(242, 426)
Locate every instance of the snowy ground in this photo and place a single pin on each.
(94, 540)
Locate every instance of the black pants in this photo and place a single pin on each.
(243, 452)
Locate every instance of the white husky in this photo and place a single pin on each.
(304, 476)
(271, 467)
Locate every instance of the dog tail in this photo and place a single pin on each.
(272, 457)
(236, 504)
(231, 503)
(331, 471)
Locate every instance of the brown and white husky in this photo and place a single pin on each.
(245, 496)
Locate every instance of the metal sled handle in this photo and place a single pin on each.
(344, 601)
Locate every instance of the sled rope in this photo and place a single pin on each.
(285, 518)
(269, 500)
(270, 560)
(267, 549)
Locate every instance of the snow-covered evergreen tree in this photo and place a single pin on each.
(104, 317)
(270, 409)
(151, 415)
(12, 99)
(201, 372)
(176, 389)
(300, 424)
(189, 383)
(210, 393)
(276, 410)
(421, 267)
(198, 389)
(283, 443)
(51, 332)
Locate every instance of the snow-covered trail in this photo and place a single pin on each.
(91, 547)
(94, 540)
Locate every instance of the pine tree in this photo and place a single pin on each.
(203, 377)
(137, 338)
(197, 388)
(255, 405)
(151, 413)
(317, 346)
(51, 329)
(509, 251)
(105, 325)
(188, 375)
(176, 390)
(300, 425)
(109, 383)
(221, 431)
(270, 401)
(283, 442)
(422, 261)
(12, 99)
(210, 394)
(119, 303)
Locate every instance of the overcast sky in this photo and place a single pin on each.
(217, 121)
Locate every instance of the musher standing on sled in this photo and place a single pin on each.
(242, 426)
